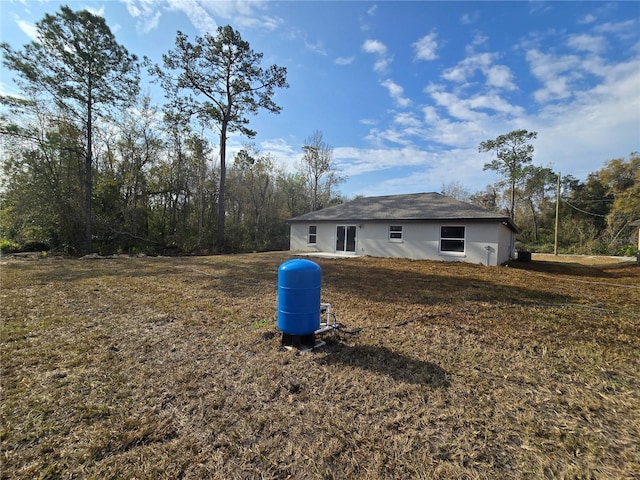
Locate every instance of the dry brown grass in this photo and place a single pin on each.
(172, 368)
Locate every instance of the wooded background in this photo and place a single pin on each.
(91, 165)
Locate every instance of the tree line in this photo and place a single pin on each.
(90, 164)
(558, 212)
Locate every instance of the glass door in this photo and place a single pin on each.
(346, 238)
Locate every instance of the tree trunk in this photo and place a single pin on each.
(221, 193)
(512, 208)
(88, 180)
(535, 221)
(202, 171)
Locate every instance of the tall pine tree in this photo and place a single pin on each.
(77, 64)
(219, 79)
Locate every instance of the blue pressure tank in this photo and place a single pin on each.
(299, 297)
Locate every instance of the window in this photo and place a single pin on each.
(452, 239)
(395, 233)
(311, 238)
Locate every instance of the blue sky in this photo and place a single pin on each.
(404, 92)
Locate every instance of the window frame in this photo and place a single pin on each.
(396, 239)
(462, 240)
(314, 235)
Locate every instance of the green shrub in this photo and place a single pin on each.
(8, 246)
(627, 251)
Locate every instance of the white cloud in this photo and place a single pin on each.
(587, 19)
(344, 60)
(591, 126)
(479, 40)
(382, 64)
(498, 76)
(588, 128)
(375, 47)
(587, 43)
(407, 120)
(465, 134)
(431, 169)
(621, 29)
(426, 47)
(468, 66)
(438, 168)
(197, 14)
(426, 170)
(444, 131)
(396, 91)
(463, 122)
(133, 8)
(594, 65)
(99, 12)
(378, 49)
(455, 106)
(431, 116)
(28, 28)
(146, 12)
(151, 23)
(317, 47)
(380, 137)
(456, 74)
(572, 136)
(254, 22)
(495, 103)
(356, 161)
(372, 10)
(460, 126)
(602, 123)
(271, 23)
(469, 18)
(563, 76)
(538, 8)
(555, 73)
(242, 14)
(554, 89)
(284, 154)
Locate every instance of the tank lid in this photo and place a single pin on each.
(299, 264)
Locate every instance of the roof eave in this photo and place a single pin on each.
(506, 221)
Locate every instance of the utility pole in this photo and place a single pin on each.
(555, 243)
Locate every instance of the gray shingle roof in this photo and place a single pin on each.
(411, 207)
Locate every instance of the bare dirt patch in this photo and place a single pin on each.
(172, 368)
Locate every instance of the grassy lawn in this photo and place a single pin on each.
(166, 368)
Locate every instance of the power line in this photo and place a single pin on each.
(583, 211)
(598, 201)
(614, 215)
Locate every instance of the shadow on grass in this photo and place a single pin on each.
(383, 361)
(562, 268)
(450, 284)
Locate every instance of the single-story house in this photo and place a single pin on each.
(417, 226)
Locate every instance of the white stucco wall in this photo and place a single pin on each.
(505, 244)
(326, 237)
(487, 242)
